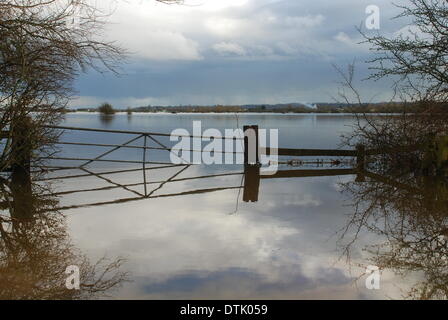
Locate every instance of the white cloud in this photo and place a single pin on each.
(215, 5)
(226, 48)
(224, 26)
(305, 21)
(410, 31)
(149, 32)
(164, 45)
(344, 38)
(249, 28)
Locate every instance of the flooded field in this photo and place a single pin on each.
(180, 237)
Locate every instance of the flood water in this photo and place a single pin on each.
(197, 238)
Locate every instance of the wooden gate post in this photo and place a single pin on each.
(251, 164)
(251, 145)
(251, 183)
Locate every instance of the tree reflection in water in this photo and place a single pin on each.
(410, 212)
(107, 119)
(35, 248)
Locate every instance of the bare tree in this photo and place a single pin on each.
(41, 53)
(44, 46)
(419, 55)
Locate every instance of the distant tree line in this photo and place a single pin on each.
(383, 107)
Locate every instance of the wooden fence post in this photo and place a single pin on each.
(435, 158)
(21, 148)
(22, 195)
(360, 156)
(21, 189)
(251, 145)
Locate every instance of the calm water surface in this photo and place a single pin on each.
(299, 241)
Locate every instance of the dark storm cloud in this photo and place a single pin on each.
(253, 52)
(243, 280)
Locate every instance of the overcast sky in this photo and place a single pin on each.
(235, 52)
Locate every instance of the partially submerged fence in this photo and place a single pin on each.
(251, 152)
(252, 175)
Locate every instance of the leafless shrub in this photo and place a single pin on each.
(402, 136)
